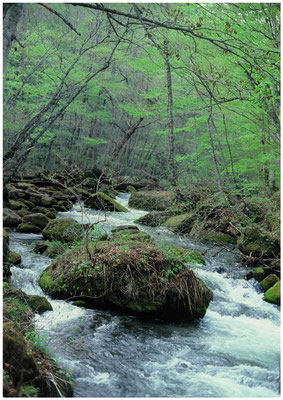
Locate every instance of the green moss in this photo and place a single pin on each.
(151, 200)
(272, 295)
(101, 201)
(17, 204)
(79, 303)
(55, 249)
(185, 255)
(142, 308)
(216, 237)
(46, 282)
(257, 242)
(130, 189)
(65, 230)
(27, 227)
(258, 274)
(135, 235)
(14, 258)
(268, 282)
(174, 223)
(39, 303)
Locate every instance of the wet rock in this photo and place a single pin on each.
(40, 220)
(66, 230)
(156, 218)
(101, 201)
(26, 227)
(178, 222)
(257, 242)
(272, 295)
(40, 248)
(151, 200)
(258, 274)
(14, 258)
(131, 276)
(10, 218)
(268, 282)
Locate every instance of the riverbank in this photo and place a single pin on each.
(128, 217)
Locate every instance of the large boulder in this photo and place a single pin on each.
(10, 218)
(129, 275)
(178, 222)
(151, 200)
(26, 227)
(100, 201)
(37, 219)
(257, 242)
(65, 230)
(155, 218)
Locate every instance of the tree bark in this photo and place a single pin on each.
(11, 17)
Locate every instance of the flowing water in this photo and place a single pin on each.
(234, 351)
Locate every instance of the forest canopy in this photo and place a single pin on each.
(185, 93)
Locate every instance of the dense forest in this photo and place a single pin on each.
(190, 90)
(141, 194)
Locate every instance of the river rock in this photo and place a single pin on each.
(131, 276)
(151, 200)
(66, 230)
(40, 220)
(100, 201)
(26, 227)
(10, 218)
(268, 282)
(272, 295)
(257, 242)
(14, 258)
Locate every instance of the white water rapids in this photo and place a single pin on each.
(234, 351)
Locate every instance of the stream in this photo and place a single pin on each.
(234, 351)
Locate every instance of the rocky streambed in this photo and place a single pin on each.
(232, 352)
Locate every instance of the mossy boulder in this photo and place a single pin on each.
(14, 258)
(26, 227)
(268, 282)
(258, 274)
(6, 249)
(155, 218)
(212, 236)
(131, 276)
(175, 223)
(55, 249)
(10, 218)
(38, 219)
(151, 200)
(65, 230)
(100, 201)
(17, 204)
(63, 205)
(257, 242)
(272, 295)
(40, 248)
(187, 256)
(47, 201)
(23, 212)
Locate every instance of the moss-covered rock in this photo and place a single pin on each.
(100, 201)
(257, 242)
(130, 276)
(187, 256)
(155, 218)
(268, 282)
(65, 230)
(38, 219)
(213, 236)
(28, 371)
(26, 227)
(23, 212)
(17, 204)
(63, 205)
(151, 200)
(272, 295)
(10, 218)
(54, 249)
(14, 258)
(47, 201)
(258, 274)
(175, 223)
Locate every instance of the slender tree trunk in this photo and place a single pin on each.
(11, 17)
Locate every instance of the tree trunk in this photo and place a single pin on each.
(11, 17)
